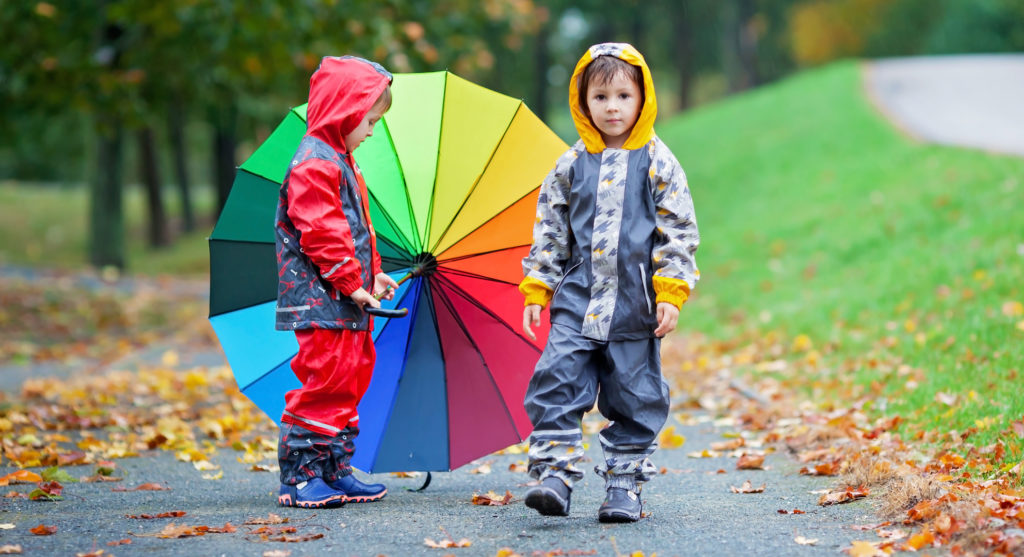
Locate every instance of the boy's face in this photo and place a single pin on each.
(365, 129)
(614, 108)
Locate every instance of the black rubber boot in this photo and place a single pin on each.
(620, 505)
(550, 498)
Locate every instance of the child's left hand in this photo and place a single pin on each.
(384, 286)
(668, 315)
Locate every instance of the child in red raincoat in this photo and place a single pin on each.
(328, 266)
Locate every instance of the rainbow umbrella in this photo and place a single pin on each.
(453, 171)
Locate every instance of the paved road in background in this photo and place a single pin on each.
(972, 101)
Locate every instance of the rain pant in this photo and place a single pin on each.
(615, 235)
(326, 250)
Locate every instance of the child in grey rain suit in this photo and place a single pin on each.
(613, 252)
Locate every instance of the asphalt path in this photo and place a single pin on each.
(970, 101)
(690, 510)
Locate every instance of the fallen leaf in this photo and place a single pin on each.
(20, 476)
(49, 491)
(492, 499)
(446, 543)
(842, 496)
(10, 549)
(271, 519)
(805, 541)
(865, 549)
(277, 553)
(518, 466)
(750, 462)
(704, 454)
(920, 540)
(405, 474)
(894, 534)
(44, 530)
(286, 538)
(669, 439)
(730, 445)
(143, 487)
(484, 468)
(124, 541)
(747, 487)
(168, 514)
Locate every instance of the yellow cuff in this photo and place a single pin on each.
(536, 291)
(670, 290)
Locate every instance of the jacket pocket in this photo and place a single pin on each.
(565, 275)
(643, 282)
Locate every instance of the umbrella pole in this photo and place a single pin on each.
(407, 276)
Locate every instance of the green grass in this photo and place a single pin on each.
(46, 226)
(817, 217)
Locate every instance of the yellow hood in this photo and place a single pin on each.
(643, 130)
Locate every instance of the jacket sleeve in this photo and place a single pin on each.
(545, 265)
(675, 246)
(314, 207)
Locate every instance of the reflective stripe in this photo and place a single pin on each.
(292, 308)
(608, 445)
(312, 422)
(335, 268)
(556, 432)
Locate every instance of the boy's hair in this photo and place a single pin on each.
(602, 70)
(383, 102)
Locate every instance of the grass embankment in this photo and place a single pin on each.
(47, 226)
(893, 269)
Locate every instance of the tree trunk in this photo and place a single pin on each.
(157, 229)
(106, 220)
(683, 47)
(541, 63)
(739, 45)
(225, 142)
(748, 43)
(176, 131)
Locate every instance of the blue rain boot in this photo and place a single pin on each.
(310, 494)
(358, 492)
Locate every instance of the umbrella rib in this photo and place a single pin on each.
(462, 273)
(488, 221)
(476, 182)
(479, 353)
(402, 240)
(437, 164)
(484, 309)
(408, 202)
(469, 255)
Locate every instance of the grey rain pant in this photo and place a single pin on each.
(624, 377)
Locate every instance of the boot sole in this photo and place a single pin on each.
(333, 501)
(547, 502)
(366, 499)
(617, 517)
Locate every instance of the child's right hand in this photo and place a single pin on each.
(362, 298)
(531, 316)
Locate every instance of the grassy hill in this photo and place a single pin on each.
(879, 259)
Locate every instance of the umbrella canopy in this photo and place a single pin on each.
(453, 171)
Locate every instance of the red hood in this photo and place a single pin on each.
(341, 92)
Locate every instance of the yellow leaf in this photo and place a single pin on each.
(219, 475)
(865, 549)
(669, 439)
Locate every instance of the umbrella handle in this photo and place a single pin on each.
(382, 312)
(384, 292)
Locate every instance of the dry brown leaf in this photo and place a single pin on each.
(492, 499)
(168, 514)
(143, 487)
(44, 530)
(271, 519)
(842, 496)
(124, 541)
(747, 487)
(446, 543)
(750, 462)
(729, 445)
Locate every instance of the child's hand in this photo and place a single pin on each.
(668, 315)
(531, 316)
(362, 298)
(384, 287)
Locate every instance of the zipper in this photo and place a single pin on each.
(564, 275)
(643, 282)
